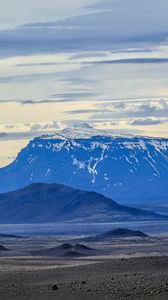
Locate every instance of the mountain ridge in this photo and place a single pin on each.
(48, 203)
(125, 168)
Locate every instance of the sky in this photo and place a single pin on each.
(64, 62)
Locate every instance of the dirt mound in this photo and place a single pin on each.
(122, 232)
(66, 250)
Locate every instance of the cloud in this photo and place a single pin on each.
(32, 131)
(31, 77)
(26, 135)
(2, 135)
(60, 98)
(88, 55)
(10, 126)
(35, 102)
(132, 61)
(83, 111)
(159, 109)
(136, 50)
(109, 26)
(36, 127)
(71, 96)
(38, 10)
(147, 122)
(48, 126)
(16, 135)
(132, 109)
(119, 105)
(41, 64)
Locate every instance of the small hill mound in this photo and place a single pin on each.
(66, 250)
(121, 232)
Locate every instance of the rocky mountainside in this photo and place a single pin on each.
(125, 168)
(46, 203)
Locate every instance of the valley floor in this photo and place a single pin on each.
(124, 268)
(48, 279)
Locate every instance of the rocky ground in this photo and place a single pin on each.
(46, 268)
(48, 278)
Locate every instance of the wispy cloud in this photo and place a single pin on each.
(116, 24)
(3, 135)
(83, 111)
(132, 61)
(49, 126)
(141, 112)
(17, 135)
(148, 122)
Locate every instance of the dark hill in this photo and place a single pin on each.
(121, 232)
(113, 234)
(43, 203)
(3, 248)
(66, 250)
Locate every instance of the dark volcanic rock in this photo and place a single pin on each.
(55, 287)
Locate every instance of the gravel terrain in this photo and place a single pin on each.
(46, 278)
(46, 268)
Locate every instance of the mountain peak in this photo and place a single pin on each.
(81, 131)
(128, 169)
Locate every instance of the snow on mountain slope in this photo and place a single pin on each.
(126, 168)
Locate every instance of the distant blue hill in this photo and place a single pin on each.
(127, 169)
(47, 203)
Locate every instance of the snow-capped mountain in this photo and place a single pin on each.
(127, 169)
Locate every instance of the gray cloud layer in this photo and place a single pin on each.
(148, 122)
(148, 113)
(118, 23)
